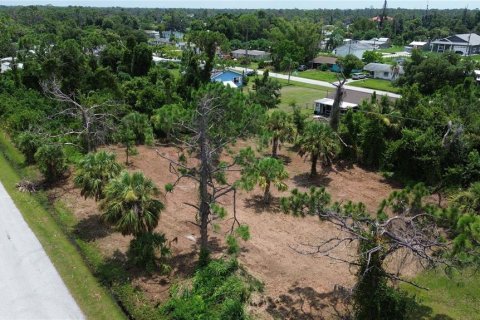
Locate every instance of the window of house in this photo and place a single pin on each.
(386, 74)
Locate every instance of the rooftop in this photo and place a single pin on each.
(325, 60)
(382, 67)
(464, 38)
(251, 52)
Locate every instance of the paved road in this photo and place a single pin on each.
(30, 287)
(324, 83)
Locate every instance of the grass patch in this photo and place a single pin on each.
(376, 84)
(302, 96)
(92, 298)
(316, 75)
(454, 297)
(392, 49)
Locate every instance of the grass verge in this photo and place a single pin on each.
(449, 297)
(375, 84)
(90, 295)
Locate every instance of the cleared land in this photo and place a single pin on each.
(268, 256)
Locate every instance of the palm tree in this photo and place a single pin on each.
(395, 70)
(319, 142)
(264, 172)
(281, 129)
(93, 173)
(129, 204)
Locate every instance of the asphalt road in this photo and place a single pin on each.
(30, 287)
(324, 83)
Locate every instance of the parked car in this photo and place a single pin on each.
(302, 67)
(250, 73)
(358, 76)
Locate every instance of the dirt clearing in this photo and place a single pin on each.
(295, 284)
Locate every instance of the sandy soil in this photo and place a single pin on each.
(297, 286)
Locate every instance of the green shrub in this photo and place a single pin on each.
(28, 143)
(51, 162)
(217, 292)
(143, 249)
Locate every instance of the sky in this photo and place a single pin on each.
(254, 4)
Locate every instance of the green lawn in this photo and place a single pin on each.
(392, 49)
(457, 297)
(303, 95)
(317, 75)
(375, 84)
(92, 298)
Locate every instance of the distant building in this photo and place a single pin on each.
(166, 37)
(377, 43)
(330, 62)
(378, 19)
(384, 71)
(8, 63)
(418, 45)
(465, 44)
(228, 77)
(323, 107)
(252, 54)
(355, 48)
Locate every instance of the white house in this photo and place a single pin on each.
(384, 71)
(355, 48)
(323, 107)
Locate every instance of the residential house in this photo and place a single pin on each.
(465, 44)
(384, 71)
(355, 48)
(418, 44)
(256, 55)
(228, 77)
(351, 100)
(378, 43)
(323, 107)
(319, 61)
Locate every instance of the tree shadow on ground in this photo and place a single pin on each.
(92, 228)
(305, 180)
(259, 206)
(285, 159)
(418, 311)
(343, 165)
(305, 303)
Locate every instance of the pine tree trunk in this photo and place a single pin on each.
(266, 195)
(204, 176)
(313, 171)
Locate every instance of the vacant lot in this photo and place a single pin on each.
(268, 255)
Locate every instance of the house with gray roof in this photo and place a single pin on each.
(355, 48)
(384, 71)
(251, 54)
(465, 44)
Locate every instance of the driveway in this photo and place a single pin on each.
(30, 287)
(324, 83)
